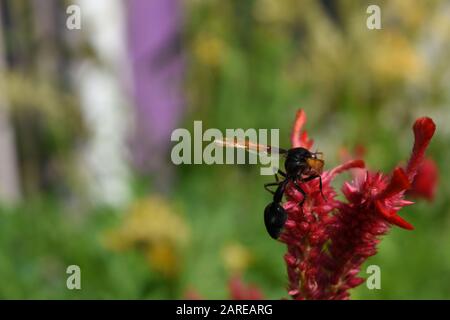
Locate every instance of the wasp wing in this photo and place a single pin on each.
(250, 146)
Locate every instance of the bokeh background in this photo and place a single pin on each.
(86, 117)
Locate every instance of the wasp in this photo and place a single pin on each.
(300, 164)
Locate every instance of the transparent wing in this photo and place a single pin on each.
(250, 146)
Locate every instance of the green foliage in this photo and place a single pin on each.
(39, 240)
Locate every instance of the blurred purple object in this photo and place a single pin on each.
(154, 29)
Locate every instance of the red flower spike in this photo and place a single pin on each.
(299, 138)
(424, 129)
(328, 241)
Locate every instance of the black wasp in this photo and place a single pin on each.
(301, 165)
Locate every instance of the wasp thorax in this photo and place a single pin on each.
(296, 160)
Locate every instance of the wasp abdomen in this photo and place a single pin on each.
(274, 218)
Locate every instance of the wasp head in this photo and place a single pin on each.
(315, 162)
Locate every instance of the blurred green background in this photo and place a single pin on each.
(86, 117)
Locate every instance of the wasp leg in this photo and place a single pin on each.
(267, 185)
(281, 173)
(301, 191)
(278, 195)
(320, 186)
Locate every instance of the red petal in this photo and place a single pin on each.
(299, 139)
(383, 210)
(305, 142)
(351, 192)
(398, 183)
(402, 223)
(352, 164)
(391, 216)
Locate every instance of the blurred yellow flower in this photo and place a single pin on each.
(394, 58)
(209, 49)
(163, 258)
(154, 226)
(274, 11)
(236, 258)
(411, 15)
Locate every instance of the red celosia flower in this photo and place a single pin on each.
(328, 240)
(192, 294)
(241, 291)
